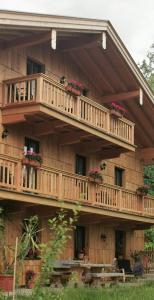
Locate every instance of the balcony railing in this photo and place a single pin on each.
(43, 89)
(70, 187)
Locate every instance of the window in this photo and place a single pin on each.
(32, 144)
(119, 176)
(30, 173)
(80, 165)
(34, 67)
(79, 241)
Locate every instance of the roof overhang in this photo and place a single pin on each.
(134, 82)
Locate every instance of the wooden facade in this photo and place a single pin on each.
(38, 107)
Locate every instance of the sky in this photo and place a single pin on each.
(132, 19)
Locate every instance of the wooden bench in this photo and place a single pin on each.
(98, 278)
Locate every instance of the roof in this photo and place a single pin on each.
(115, 70)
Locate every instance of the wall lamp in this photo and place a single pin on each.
(5, 133)
(103, 237)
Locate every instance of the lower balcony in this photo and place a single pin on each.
(53, 184)
(38, 98)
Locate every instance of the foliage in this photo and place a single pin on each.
(95, 173)
(140, 292)
(149, 239)
(118, 107)
(33, 156)
(143, 189)
(147, 67)
(149, 178)
(26, 240)
(60, 228)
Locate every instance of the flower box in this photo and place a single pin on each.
(142, 190)
(117, 110)
(73, 91)
(116, 113)
(31, 162)
(32, 159)
(95, 180)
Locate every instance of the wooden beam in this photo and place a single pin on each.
(53, 39)
(104, 40)
(27, 41)
(43, 129)
(147, 155)
(120, 96)
(13, 119)
(141, 97)
(72, 138)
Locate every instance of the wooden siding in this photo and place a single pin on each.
(98, 251)
(49, 181)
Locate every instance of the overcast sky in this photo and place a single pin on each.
(132, 19)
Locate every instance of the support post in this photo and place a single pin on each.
(15, 267)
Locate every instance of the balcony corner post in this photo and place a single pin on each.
(19, 176)
(120, 200)
(78, 107)
(60, 186)
(39, 89)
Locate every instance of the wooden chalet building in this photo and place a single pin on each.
(74, 133)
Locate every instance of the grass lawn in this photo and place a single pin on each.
(144, 292)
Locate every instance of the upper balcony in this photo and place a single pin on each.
(39, 97)
(47, 185)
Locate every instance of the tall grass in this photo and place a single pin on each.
(144, 292)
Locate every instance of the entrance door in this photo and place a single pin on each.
(120, 243)
(79, 241)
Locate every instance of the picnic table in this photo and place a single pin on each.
(79, 272)
(59, 273)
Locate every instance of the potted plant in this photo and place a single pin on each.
(142, 190)
(25, 241)
(29, 279)
(6, 278)
(81, 254)
(117, 110)
(95, 175)
(74, 87)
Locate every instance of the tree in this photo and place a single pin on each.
(147, 67)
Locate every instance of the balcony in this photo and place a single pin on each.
(55, 184)
(39, 95)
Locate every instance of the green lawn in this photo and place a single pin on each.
(144, 292)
